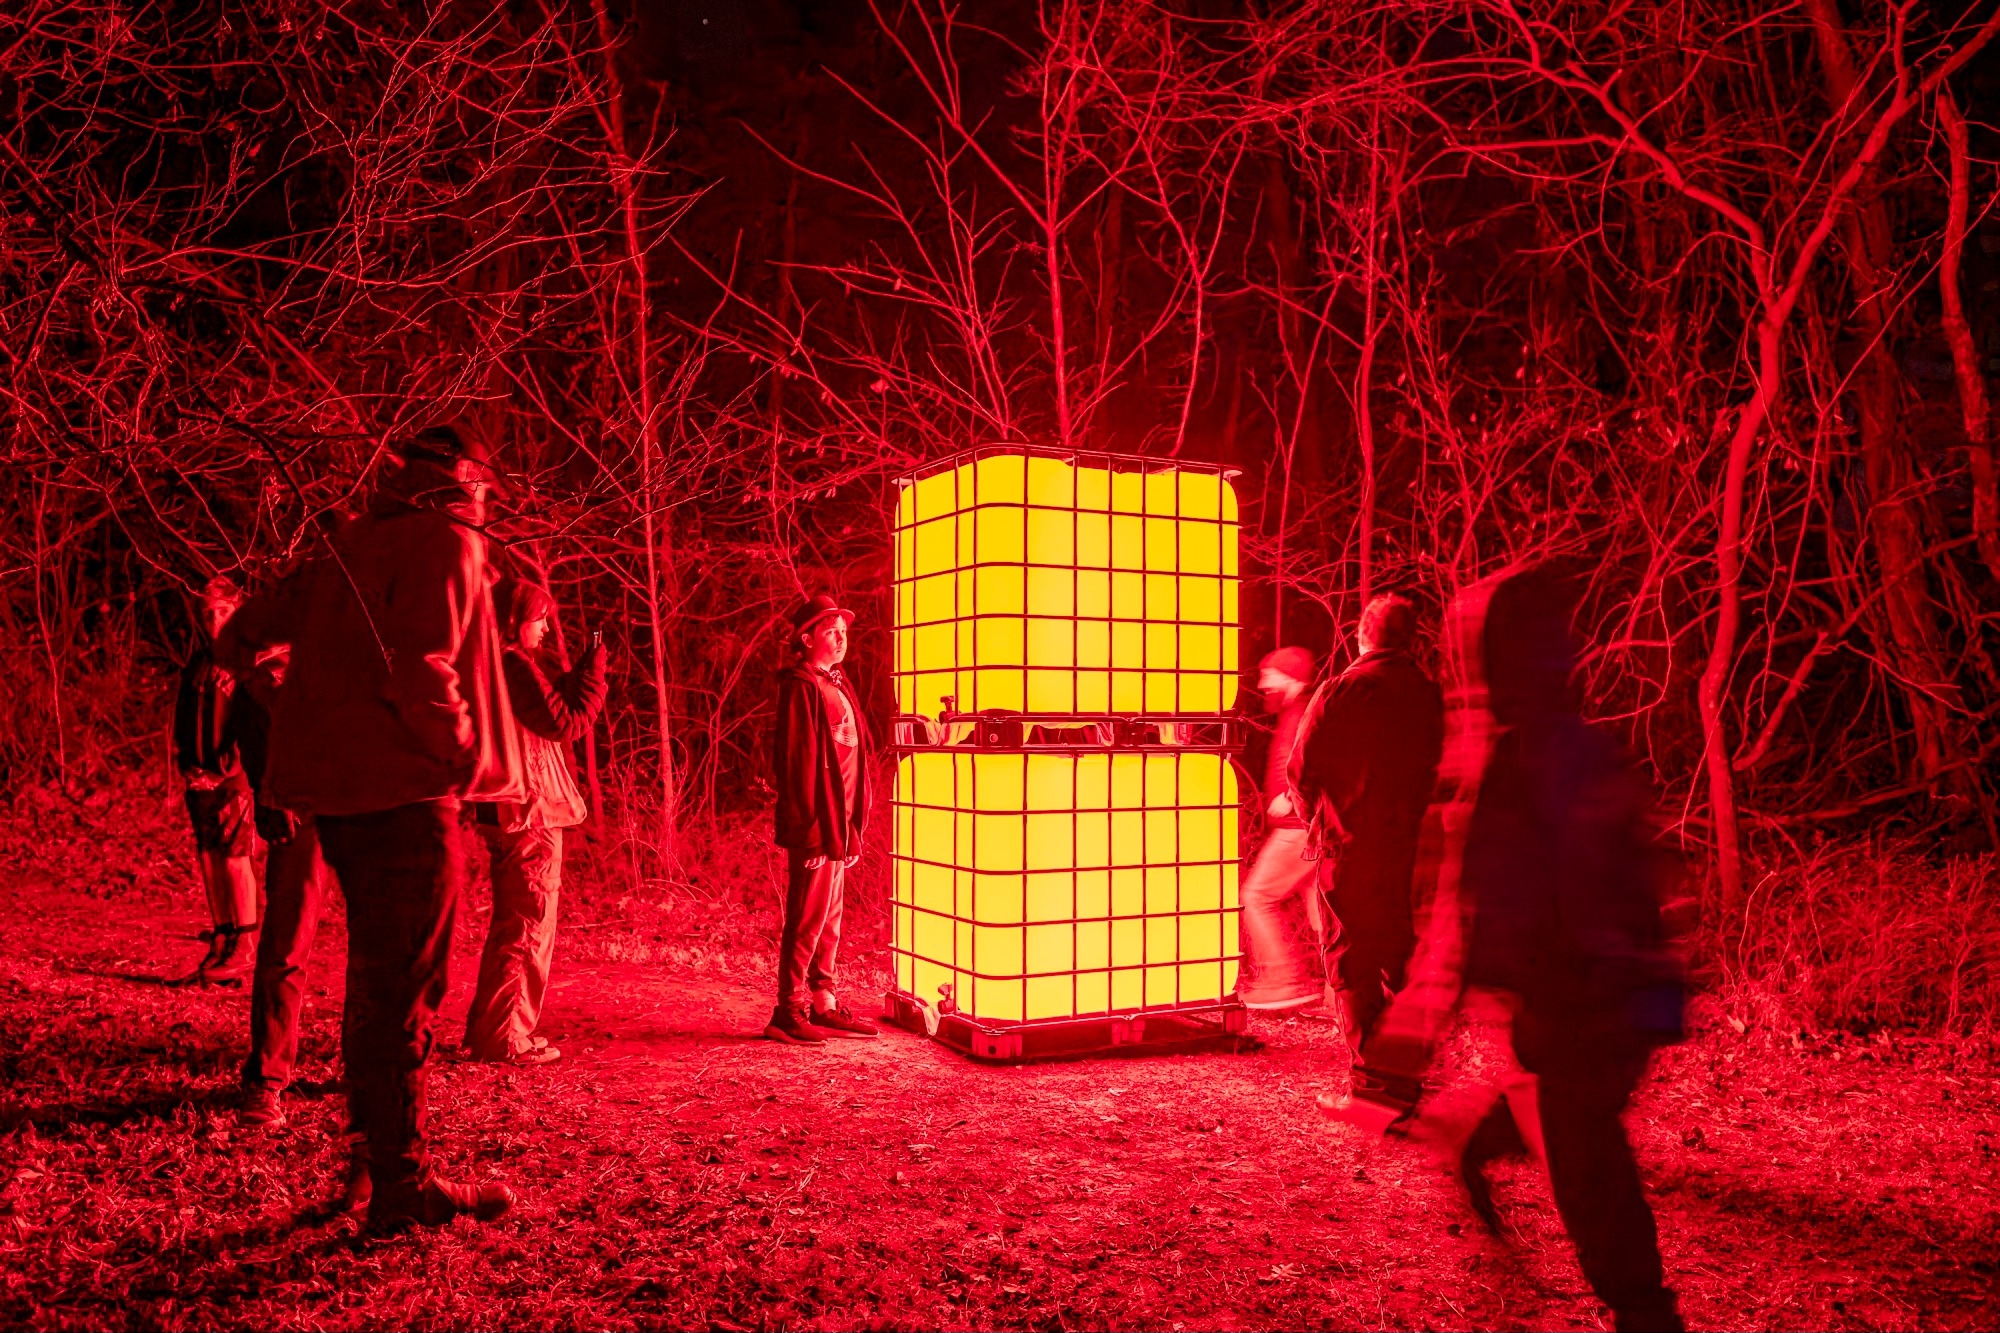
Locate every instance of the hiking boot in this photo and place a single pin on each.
(360, 1187)
(435, 1201)
(840, 1021)
(263, 1108)
(234, 956)
(211, 941)
(790, 1023)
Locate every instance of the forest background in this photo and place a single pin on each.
(1703, 298)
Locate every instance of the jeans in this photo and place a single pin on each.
(1368, 893)
(810, 943)
(294, 898)
(1280, 874)
(402, 871)
(1595, 1180)
(520, 942)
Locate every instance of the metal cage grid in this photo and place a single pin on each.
(1063, 584)
(1065, 883)
(1046, 884)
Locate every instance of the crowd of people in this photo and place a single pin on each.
(364, 713)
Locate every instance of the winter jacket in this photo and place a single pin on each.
(554, 707)
(811, 816)
(1368, 749)
(1560, 868)
(394, 693)
(205, 747)
(1563, 881)
(1278, 763)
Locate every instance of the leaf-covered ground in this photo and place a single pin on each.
(676, 1171)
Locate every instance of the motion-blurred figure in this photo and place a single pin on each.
(1366, 762)
(819, 761)
(393, 712)
(1563, 885)
(1279, 976)
(294, 897)
(218, 797)
(554, 706)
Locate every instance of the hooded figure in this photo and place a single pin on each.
(1563, 885)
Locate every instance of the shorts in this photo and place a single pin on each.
(221, 818)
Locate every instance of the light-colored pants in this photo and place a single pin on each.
(520, 943)
(1277, 957)
(809, 946)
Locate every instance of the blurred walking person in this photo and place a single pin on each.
(1282, 974)
(554, 706)
(393, 713)
(218, 797)
(294, 899)
(1366, 762)
(1564, 888)
(820, 756)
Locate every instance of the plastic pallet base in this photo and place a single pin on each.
(1057, 1039)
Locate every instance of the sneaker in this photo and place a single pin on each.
(263, 1108)
(433, 1201)
(234, 957)
(790, 1023)
(1276, 997)
(543, 1054)
(840, 1021)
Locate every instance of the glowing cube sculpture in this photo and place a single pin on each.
(1037, 882)
(1040, 585)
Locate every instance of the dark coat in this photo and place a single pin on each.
(810, 817)
(1564, 884)
(1368, 750)
(1561, 871)
(393, 696)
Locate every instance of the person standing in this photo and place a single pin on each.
(393, 713)
(1279, 977)
(1366, 762)
(820, 759)
(1564, 890)
(294, 898)
(218, 797)
(554, 706)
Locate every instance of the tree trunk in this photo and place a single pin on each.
(1895, 519)
(1973, 400)
(655, 533)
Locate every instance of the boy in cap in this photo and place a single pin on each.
(819, 760)
(1278, 977)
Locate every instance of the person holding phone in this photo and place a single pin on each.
(820, 758)
(554, 706)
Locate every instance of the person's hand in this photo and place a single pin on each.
(1281, 805)
(815, 862)
(849, 862)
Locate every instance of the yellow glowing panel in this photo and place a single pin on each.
(1061, 884)
(1140, 565)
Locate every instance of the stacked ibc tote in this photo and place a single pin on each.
(1065, 842)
